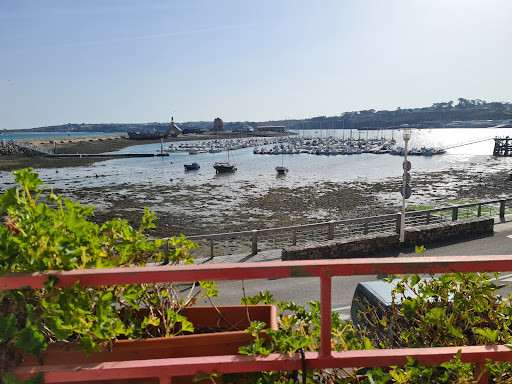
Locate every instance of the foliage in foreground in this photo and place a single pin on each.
(58, 235)
(450, 310)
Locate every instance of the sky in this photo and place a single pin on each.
(122, 61)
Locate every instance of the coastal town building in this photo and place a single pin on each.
(218, 125)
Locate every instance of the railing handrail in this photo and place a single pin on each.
(369, 219)
(347, 222)
(323, 269)
(258, 270)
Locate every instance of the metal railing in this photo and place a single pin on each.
(276, 238)
(325, 270)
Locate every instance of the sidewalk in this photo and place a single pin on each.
(269, 255)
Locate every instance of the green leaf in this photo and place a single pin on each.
(297, 342)
(210, 288)
(487, 333)
(27, 178)
(421, 250)
(255, 327)
(9, 198)
(454, 332)
(8, 328)
(187, 326)
(88, 345)
(367, 344)
(75, 223)
(31, 340)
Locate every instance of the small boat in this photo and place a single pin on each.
(224, 167)
(221, 167)
(192, 166)
(281, 170)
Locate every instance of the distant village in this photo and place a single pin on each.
(465, 113)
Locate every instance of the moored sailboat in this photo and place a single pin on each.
(221, 167)
(281, 169)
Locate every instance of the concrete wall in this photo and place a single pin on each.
(368, 245)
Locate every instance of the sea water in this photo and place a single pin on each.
(41, 135)
(304, 169)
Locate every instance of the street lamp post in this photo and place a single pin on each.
(405, 185)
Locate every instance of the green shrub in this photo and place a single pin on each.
(58, 235)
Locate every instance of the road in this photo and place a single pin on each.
(303, 290)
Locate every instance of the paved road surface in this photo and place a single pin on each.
(307, 289)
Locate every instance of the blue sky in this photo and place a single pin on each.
(102, 61)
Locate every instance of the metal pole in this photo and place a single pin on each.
(407, 136)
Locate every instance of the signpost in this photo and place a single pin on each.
(405, 190)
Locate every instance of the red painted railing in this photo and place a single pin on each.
(323, 269)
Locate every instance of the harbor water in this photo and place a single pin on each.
(258, 171)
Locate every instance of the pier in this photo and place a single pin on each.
(502, 146)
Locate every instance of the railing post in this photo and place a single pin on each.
(428, 218)
(254, 241)
(366, 227)
(325, 315)
(455, 213)
(294, 237)
(211, 248)
(398, 222)
(502, 208)
(479, 213)
(331, 230)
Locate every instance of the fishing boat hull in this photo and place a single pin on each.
(191, 166)
(281, 170)
(224, 167)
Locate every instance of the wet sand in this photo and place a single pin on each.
(192, 213)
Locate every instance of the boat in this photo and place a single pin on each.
(281, 170)
(142, 134)
(221, 167)
(192, 166)
(224, 167)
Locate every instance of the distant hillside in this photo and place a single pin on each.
(437, 115)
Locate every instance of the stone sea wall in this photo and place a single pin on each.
(357, 246)
(428, 234)
(369, 245)
(12, 149)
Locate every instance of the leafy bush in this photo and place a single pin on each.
(449, 310)
(58, 235)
